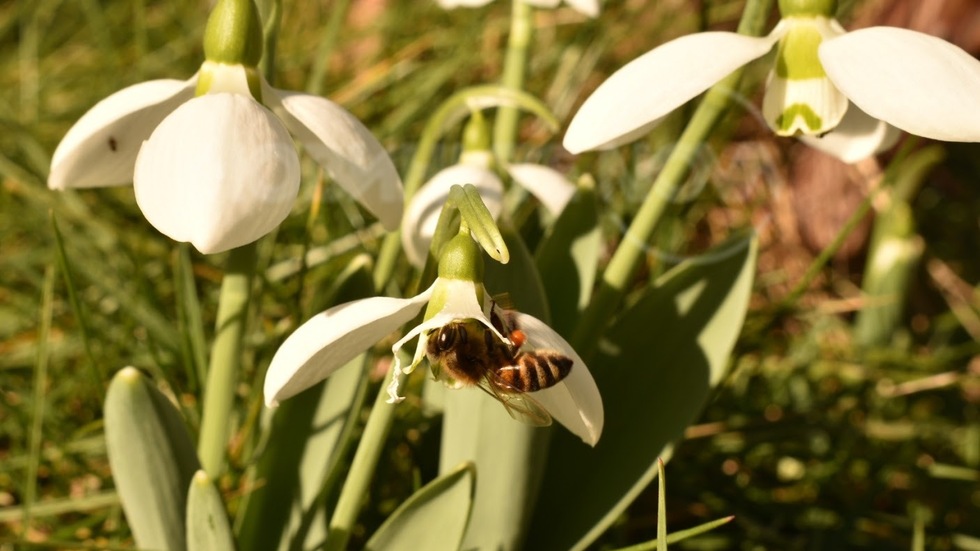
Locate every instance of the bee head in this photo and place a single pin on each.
(448, 337)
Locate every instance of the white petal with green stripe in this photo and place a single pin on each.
(800, 99)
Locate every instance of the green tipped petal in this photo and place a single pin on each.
(800, 99)
(808, 107)
(796, 57)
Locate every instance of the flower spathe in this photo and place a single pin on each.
(822, 74)
(332, 338)
(589, 8)
(219, 169)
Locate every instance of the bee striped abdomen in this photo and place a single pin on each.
(536, 370)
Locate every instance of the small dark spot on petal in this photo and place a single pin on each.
(112, 144)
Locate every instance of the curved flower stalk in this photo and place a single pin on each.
(475, 167)
(824, 80)
(211, 158)
(588, 8)
(332, 338)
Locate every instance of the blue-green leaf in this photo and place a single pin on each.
(568, 257)
(152, 459)
(655, 369)
(207, 520)
(433, 518)
(304, 444)
(477, 428)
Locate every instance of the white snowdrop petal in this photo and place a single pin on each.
(656, 83)
(345, 148)
(100, 149)
(857, 137)
(551, 187)
(422, 214)
(916, 82)
(332, 338)
(575, 401)
(219, 172)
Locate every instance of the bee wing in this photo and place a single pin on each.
(518, 404)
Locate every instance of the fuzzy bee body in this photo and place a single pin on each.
(533, 371)
(470, 353)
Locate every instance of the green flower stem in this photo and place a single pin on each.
(362, 469)
(226, 357)
(515, 66)
(632, 249)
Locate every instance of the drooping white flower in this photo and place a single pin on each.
(588, 8)
(823, 75)
(211, 158)
(422, 213)
(332, 338)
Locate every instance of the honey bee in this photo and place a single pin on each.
(472, 354)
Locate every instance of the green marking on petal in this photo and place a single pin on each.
(787, 120)
(796, 58)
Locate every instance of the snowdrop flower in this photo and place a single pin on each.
(334, 337)
(422, 213)
(211, 158)
(588, 8)
(824, 79)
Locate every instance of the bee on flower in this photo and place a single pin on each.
(467, 339)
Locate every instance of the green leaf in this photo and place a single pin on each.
(655, 370)
(568, 257)
(477, 428)
(152, 459)
(207, 521)
(434, 518)
(681, 535)
(518, 279)
(304, 443)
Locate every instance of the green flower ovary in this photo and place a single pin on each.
(790, 8)
(234, 33)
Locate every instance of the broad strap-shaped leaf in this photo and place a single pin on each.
(207, 520)
(152, 459)
(477, 428)
(434, 518)
(518, 280)
(302, 448)
(568, 257)
(655, 370)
